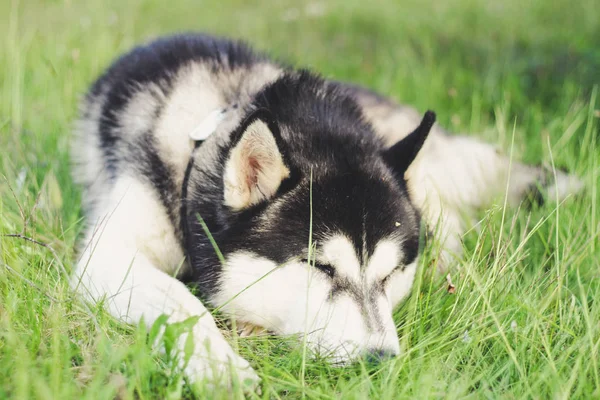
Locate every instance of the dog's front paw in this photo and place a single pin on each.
(215, 363)
(218, 371)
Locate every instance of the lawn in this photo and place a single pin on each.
(524, 321)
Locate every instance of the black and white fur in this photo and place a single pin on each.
(295, 155)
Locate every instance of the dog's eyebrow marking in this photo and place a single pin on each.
(384, 260)
(339, 252)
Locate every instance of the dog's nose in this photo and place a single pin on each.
(376, 356)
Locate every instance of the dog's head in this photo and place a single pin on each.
(315, 226)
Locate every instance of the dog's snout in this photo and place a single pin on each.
(376, 356)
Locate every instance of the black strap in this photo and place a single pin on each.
(184, 193)
(184, 186)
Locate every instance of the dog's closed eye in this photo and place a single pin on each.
(392, 272)
(325, 268)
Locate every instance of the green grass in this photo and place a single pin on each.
(525, 319)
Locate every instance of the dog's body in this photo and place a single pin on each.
(315, 212)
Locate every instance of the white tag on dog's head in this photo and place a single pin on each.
(208, 126)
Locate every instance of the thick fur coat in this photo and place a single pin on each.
(301, 212)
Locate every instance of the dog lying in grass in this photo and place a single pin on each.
(291, 202)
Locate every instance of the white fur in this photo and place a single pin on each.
(450, 178)
(136, 117)
(130, 248)
(384, 260)
(86, 152)
(339, 252)
(400, 283)
(131, 252)
(193, 97)
(294, 298)
(455, 176)
(564, 185)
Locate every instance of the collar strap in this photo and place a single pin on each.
(184, 195)
(203, 131)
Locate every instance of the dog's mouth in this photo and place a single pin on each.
(246, 329)
(243, 329)
(341, 356)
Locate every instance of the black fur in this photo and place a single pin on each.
(334, 157)
(159, 174)
(403, 153)
(337, 163)
(157, 63)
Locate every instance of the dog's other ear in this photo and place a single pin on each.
(255, 167)
(403, 153)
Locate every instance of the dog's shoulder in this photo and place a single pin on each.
(136, 117)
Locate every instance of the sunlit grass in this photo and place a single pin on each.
(524, 319)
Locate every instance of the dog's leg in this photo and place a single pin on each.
(127, 252)
(454, 176)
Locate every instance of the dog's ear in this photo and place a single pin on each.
(255, 165)
(403, 153)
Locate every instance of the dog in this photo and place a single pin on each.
(291, 202)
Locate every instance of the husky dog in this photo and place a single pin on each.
(292, 202)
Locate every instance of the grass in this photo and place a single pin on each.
(524, 321)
